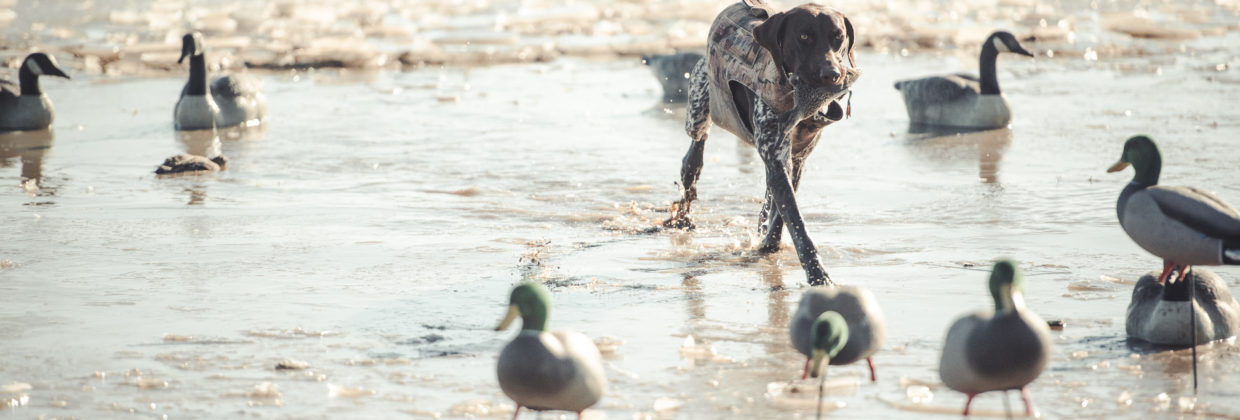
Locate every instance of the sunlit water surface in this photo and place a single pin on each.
(372, 230)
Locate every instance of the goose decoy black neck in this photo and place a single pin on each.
(35, 65)
(530, 303)
(998, 42)
(192, 47)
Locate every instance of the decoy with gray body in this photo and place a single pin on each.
(23, 105)
(865, 325)
(228, 101)
(547, 370)
(963, 100)
(997, 350)
(1184, 226)
(673, 71)
(1159, 312)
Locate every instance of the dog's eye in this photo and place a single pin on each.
(805, 37)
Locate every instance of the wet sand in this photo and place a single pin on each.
(373, 228)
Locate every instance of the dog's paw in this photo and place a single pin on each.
(679, 222)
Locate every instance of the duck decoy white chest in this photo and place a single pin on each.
(865, 326)
(547, 370)
(963, 100)
(998, 350)
(228, 101)
(24, 106)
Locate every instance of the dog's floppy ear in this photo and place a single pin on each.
(769, 35)
(852, 59)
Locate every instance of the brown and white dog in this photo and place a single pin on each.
(774, 80)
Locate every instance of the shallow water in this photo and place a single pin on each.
(373, 227)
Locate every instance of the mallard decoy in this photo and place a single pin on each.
(673, 71)
(1160, 312)
(1182, 225)
(963, 100)
(866, 328)
(24, 106)
(547, 370)
(998, 350)
(231, 100)
(828, 336)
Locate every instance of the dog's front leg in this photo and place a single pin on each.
(775, 148)
(697, 126)
(769, 221)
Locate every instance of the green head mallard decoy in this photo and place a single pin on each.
(1184, 226)
(547, 370)
(24, 106)
(866, 327)
(229, 101)
(998, 350)
(963, 100)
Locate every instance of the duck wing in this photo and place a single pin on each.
(234, 86)
(937, 89)
(1198, 209)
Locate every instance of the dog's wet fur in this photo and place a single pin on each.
(808, 45)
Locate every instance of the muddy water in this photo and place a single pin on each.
(367, 236)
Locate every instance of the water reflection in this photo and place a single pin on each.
(777, 310)
(205, 143)
(30, 147)
(950, 145)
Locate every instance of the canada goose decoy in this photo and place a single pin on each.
(1159, 312)
(998, 350)
(24, 106)
(673, 70)
(963, 100)
(866, 328)
(230, 100)
(547, 370)
(1184, 226)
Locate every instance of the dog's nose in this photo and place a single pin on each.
(829, 74)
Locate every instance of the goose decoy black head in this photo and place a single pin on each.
(191, 45)
(1004, 41)
(40, 64)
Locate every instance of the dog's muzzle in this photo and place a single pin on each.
(808, 99)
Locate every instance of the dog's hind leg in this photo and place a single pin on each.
(697, 125)
(775, 148)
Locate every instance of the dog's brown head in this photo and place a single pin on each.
(809, 41)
